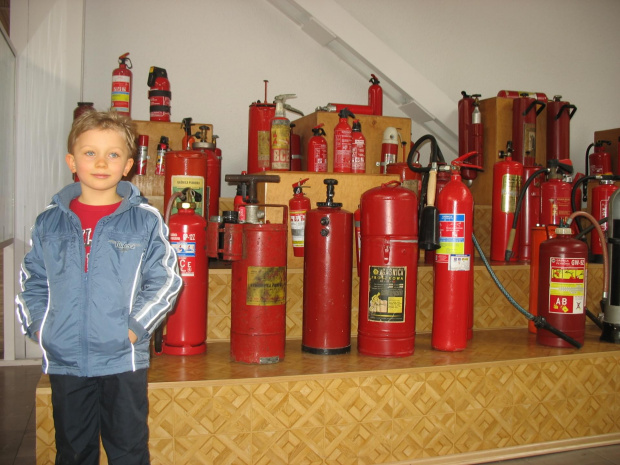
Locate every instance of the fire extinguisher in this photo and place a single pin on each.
(599, 162)
(159, 94)
(358, 148)
(298, 206)
(559, 115)
(259, 133)
(214, 171)
(524, 112)
(258, 254)
(342, 142)
(188, 138)
(530, 217)
(328, 277)
(162, 148)
(183, 169)
(507, 180)
(375, 102)
(518, 93)
(122, 86)
(600, 209)
(389, 148)
(470, 133)
(611, 306)
(317, 150)
(453, 268)
(295, 150)
(388, 271)
(280, 141)
(562, 279)
(186, 327)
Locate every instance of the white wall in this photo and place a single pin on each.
(218, 53)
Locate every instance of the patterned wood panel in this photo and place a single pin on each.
(503, 391)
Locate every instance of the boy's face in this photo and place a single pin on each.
(100, 158)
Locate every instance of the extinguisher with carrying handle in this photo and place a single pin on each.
(299, 205)
(559, 115)
(317, 151)
(122, 86)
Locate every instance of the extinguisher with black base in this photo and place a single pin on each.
(186, 327)
(258, 287)
(328, 269)
(388, 271)
(122, 86)
(298, 208)
(160, 95)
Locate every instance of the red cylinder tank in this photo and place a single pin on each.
(187, 169)
(507, 181)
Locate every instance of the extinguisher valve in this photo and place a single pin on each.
(329, 202)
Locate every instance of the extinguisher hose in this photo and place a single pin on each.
(515, 219)
(539, 321)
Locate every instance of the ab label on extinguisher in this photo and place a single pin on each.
(386, 293)
(196, 183)
(266, 285)
(567, 280)
(185, 247)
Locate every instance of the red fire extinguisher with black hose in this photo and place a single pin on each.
(160, 95)
(507, 180)
(258, 277)
(186, 327)
(298, 206)
(559, 114)
(388, 271)
(328, 269)
(122, 85)
(317, 150)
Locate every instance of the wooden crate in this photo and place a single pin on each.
(497, 123)
(348, 191)
(372, 128)
(151, 185)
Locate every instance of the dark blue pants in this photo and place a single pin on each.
(113, 407)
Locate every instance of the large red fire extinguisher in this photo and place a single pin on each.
(453, 268)
(258, 300)
(507, 181)
(298, 206)
(160, 95)
(525, 109)
(328, 269)
(214, 171)
(259, 133)
(559, 114)
(562, 283)
(186, 327)
(388, 271)
(122, 83)
(317, 150)
(389, 148)
(342, 142)
(186, 169)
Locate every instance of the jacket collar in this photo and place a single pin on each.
(129, 193)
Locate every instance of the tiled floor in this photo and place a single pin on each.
(17, 426)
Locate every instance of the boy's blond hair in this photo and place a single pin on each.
(104, 120)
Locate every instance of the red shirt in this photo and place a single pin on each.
(89, 215)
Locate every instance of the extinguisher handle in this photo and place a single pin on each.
(431, 188)
(571, 109)
(542, 323)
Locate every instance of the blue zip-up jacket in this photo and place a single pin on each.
(84, 317)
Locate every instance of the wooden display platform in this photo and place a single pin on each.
(504, 396)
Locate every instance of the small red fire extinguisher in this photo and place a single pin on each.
(375, 96)
(159, 94)
(122, 85)
(162, 148)
(389, 148)
(317, 151)
(186, 328)
(342, 142)
(298, 206)
(358, 149)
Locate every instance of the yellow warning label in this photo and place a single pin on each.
(266, 285)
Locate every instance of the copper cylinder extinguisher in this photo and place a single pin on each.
(258, 277)
(559, 114)
(259, 133)
(328, 269)
(298, 205)
(453, 268)
(388, 271)
(525, 110)
(122, 84)
(186, 327)
(317, 151)
(562, 279)
(507, 180)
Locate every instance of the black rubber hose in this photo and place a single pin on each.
(539, 321)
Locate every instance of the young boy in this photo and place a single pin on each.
(100, 277)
